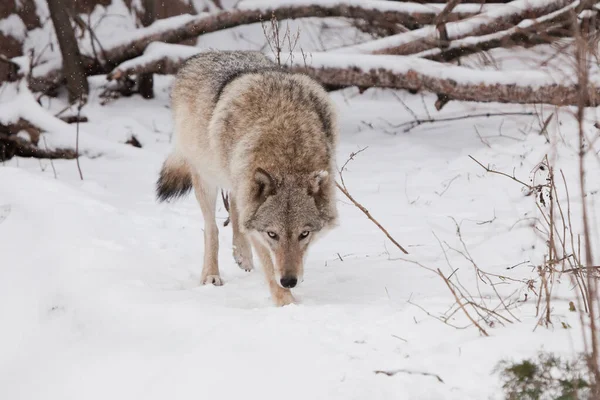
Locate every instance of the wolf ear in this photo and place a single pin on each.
(316, 182)
(264, 184)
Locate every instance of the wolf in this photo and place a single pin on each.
(266, 136)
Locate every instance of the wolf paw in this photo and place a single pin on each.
(283, 298)
(212, 279)
(243, 259)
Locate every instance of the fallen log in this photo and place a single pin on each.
(396, 72)
(453, 82)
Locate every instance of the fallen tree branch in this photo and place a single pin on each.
(528, 32)
(490, 21)
(182, 27)
(442, 18)
(158, 58)
(14, 128)
(452, 82)
(457, 83)
(13, 145)
(408, 126)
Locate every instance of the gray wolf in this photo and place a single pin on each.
(268, 137)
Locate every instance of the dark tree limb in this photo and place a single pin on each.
(442, 18)
(12, 145)
(146, 81)
(22, 125)
(13, 69)
(73, 68)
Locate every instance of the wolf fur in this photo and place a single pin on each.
(244, 125)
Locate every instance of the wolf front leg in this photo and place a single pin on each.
(242, 251)
(207, 198)
(280, 296)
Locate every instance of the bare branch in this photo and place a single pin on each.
(405, 371)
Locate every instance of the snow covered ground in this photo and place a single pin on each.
(99, 284)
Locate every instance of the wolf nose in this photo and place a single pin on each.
(288, 281)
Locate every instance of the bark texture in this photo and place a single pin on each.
(413, 80)
(74, 72)
(554, 94)
(146, 81)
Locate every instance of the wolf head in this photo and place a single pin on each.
(290, 214)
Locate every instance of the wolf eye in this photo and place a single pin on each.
(304, 235)
(272, 235)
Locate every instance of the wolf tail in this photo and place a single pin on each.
(175, 179)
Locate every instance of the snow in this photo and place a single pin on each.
(380, 5)
(156, 51)
(99, 293)
(533, 78)
(524, 24)
(587, 14)
(461, 75)
(388, 41)
(460, 29)
(13, 26)
(455, 30)
(22, 104)
(162, 25)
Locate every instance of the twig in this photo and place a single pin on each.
(410, 125)
(442, 320)
(51, 162)
(460, 303)
(488, 169)
(368, 214)
(578, 269)
(351, 157)
(79, 107)
(344, 190)
(398, 337)
(405, 371)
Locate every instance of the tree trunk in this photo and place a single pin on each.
(146, 81)
(74, 73)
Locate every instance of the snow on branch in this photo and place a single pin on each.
(454, 82)
(490, 21)
(396, 72)
(177, 29)
(528, 31)
(383, 6)
(23, 109)
(158, 58)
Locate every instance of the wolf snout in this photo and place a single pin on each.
(288, 282)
